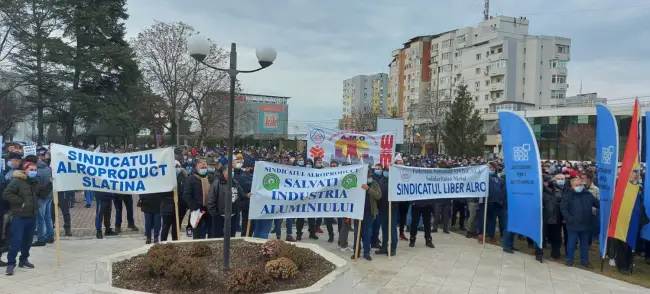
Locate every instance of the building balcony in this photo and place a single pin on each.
(497, 87)
(562, 56)
(559, 71)
(496, 56)
(497, 72)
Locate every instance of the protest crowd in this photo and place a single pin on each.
(570, 207)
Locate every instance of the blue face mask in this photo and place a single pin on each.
(32, 174)
(203, 171)
(178, 170)
(378, 172)
(491, 172)
(319, 165)
(385, 174)
(579, 189)
(309, 165)
(10, 164)
(301, 163)
(211, 169)
(560, 182)
(369, 180)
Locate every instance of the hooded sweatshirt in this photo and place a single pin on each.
(44, 174)
(219, 194)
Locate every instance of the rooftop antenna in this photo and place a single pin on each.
(486, 10)
(580, 86)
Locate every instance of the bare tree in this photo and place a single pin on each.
(360, 120)
(581, 138)
(168, 68)
(429, 114)
(13, 109)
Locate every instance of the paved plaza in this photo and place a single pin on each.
(456, 265)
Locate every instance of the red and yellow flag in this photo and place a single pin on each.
(621, 221)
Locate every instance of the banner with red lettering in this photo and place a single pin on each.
(351, 146)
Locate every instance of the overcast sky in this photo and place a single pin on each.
(321, 43)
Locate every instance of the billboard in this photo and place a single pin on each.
(271, 120)
(395, 125)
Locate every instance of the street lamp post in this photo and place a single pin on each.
(199, 49)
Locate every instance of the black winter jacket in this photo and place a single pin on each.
(193, 192)
(150, 203)
(245, 180)
(219, 194)
(551, 200)
(576, 210)
(23, 194)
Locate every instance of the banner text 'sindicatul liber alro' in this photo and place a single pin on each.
(416, 183)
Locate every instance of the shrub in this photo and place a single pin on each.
(200, 249)
(272, 248)
(281, 268)
(299, 256)
(248, 280)
(187, 272)
(159, 258)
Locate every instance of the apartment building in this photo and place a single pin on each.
(365, 93)
(502, 65)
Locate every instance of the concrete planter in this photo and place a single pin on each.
(339, 281)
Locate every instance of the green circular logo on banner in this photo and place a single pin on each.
(271, 182)
(349, 181)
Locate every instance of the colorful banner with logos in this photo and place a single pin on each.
(645, 231)
(282, 191)
(367, 148)
(418, 183)
(271, 119)
(607, 160)
(524, 176)
(150, 171)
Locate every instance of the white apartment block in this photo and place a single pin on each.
(365, 93)
(503, 66)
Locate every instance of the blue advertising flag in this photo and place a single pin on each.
(524, 176)
(607, 160)
(645, 231)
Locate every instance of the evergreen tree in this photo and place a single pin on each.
(463, 128)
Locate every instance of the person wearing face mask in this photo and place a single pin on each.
(576, 207)
(587, 182)
(218, 196)
(551, 199)
(23, 193)
(383, 216)
(373, 194)
(13, 164)
(329, 222)
(377, 175)
(495, 207)
(195, 193)
(168, 209)
(44, 225)
(244, 177)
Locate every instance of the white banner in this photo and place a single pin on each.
(367, 148)
(29, 150)
(418, 183)
(283, 191)
(150, 171)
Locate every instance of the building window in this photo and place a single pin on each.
(552, 120)
(558, 94)
(478, 70)
(434, 59)
(558, 63)
(461, 38)
(445, 68)
(558, 79)
(478, 56)
(564, 49)
(446, 44)
(478, 85)
(445, 56)
(475, 98)
(487, 82)
(487, 97)
(524, 81)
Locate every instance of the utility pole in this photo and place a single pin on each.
(486, 10)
